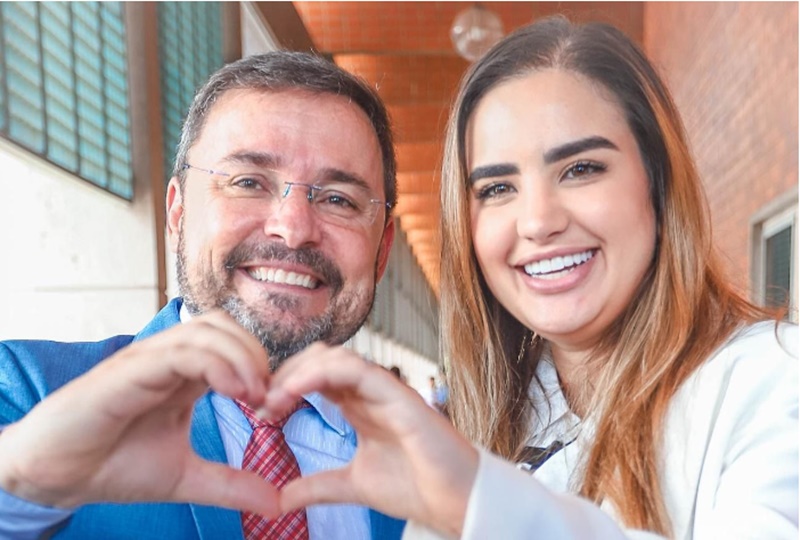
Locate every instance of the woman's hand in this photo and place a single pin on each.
(409, 463)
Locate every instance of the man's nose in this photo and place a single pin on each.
(293, 218)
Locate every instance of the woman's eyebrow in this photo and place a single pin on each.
(490, 171)
(553, 155)
(564, 151)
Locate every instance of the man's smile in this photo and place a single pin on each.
(280, 276)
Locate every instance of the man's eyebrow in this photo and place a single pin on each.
(258, 159)
(343, 177)
(267, 160)
(576, 147)
(491, 171)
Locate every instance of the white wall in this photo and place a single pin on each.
(76, 263)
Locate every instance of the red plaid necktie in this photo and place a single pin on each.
(268, 455)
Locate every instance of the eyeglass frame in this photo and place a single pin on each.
(289, 185)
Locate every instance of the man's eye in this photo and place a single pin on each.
(247, 182)
(493, 191)
(335, 198)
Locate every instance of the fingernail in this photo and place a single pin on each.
(272, 395)
(262, 414)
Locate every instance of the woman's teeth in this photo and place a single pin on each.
(557, 266)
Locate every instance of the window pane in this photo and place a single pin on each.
(23, 74)
(778, 267)
(190, 50)
(60, 89)
(64, 88)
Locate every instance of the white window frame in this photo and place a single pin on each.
(772, 219)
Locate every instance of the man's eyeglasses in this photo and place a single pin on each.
(338, 203)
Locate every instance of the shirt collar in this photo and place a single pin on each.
(552, 420)
(330, 413)
(184, 314)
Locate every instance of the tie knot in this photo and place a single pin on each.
(256, 422)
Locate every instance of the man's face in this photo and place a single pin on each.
(275, 263)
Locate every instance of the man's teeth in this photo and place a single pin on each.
(282, 276)
(557, 266)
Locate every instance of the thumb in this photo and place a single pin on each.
(215, 484)
(324, 487)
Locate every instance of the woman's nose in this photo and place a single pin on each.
(541, 214)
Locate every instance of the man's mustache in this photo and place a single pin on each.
(276, 251)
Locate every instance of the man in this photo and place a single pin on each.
(278, 210)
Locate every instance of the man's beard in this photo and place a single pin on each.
(340, 321)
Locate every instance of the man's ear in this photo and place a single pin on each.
(174, 212)
(385, 248)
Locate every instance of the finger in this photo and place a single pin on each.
(215, 484)
(132, 388)
(371, 398)
(218, 332)
(335, 370)
(312, 353)
(155, 361)
(295, 376)
(226, 321)
(321, 488)
(279, 399)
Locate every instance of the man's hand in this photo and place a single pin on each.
(120, 433)
(409, 463)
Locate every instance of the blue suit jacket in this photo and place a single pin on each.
(30, 370)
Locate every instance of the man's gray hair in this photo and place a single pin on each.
(284, 70)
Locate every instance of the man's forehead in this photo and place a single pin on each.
(323, 110)
(267, 128)
(239, 99)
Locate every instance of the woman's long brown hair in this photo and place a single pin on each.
(683, 310)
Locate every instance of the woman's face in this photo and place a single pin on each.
(561, 216)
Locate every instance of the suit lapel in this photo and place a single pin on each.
(167, 317)
(212, 522)
(384, 527)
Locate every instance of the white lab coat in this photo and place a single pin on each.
(730, 460)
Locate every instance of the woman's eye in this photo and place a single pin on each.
(493, 191)
(583, 169)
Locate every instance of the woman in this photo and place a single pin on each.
(589, 334)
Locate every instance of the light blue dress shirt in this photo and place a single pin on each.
(319, 436)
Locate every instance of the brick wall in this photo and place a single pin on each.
(732, 68)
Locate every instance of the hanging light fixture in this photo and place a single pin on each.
(474, 31)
